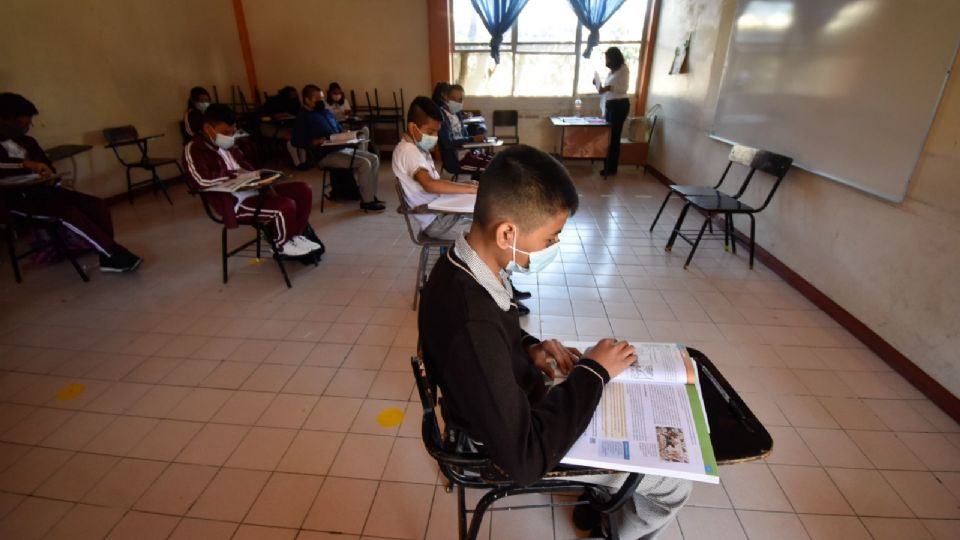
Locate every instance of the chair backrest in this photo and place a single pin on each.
(775, 165)
(505, 118)
(120, 134)
(405, 211)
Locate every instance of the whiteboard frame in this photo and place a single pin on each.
(850, 183)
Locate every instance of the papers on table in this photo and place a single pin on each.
(489, 142)
(28, 179)
(247, 180)
(577, 121)
(651, 419)
(474, 120)
(460, 203)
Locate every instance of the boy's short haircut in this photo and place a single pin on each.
(423, 109)
(526, 186)
(457, 87)
(309, 91)
(13, 105)
(218, 113)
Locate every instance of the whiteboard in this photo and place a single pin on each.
(848, 88)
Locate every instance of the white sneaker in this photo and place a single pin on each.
(291, 249)
(305, 243)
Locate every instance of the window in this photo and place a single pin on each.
(541, 54)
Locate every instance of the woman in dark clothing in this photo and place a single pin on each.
(615, 104)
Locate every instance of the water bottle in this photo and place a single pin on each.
(577, 106)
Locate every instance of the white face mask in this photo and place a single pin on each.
(426, 142)
(455, 106)
(224, 141)
(201, 105)
(538, 259)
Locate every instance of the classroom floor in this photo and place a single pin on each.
(164, 404)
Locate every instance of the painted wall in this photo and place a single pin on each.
(891, 266)
(362, 44)
(100, 63)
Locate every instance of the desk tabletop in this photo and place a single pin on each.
(489, 143)
(586, 121)
(27, 180)
(460, 203)
(65, 151)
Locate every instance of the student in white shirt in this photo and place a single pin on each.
(418, 176)
(615, 104)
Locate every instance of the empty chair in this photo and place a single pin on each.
(507, 119)
(775, 165)
(743, 155)
(119, 137)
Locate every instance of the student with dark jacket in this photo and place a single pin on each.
(491, 372)
(193, 117)
(454, 157)
(84, 215)
(279, 111)
(314, 127)
(212, 157)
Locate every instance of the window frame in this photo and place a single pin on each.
(511, 47)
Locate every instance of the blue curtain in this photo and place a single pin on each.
(498, 16)
(593, 14)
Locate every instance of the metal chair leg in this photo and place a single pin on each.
(726, 234)
(129, 187)
(158, 184)
(421, 269)
(323, 190)
(223, 252)
(733, 235)
(696, 243)
(676, 227)
(12, 250)
(54, 231)
(662, 206)
(753, 228)
(462, 512)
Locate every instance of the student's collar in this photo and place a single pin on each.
(498, 289)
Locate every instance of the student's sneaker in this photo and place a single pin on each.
(291, 249)
(373, 206)
(522, 309)
(521, 295)
(305, 243)
(121, 261)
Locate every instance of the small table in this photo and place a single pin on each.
(580, 138)
(460, 203)
(67, 151)
(490, 142)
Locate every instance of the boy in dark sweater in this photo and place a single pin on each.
(491, 372)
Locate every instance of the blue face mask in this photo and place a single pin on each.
(455, 106)
(538, 259)
(426, 142)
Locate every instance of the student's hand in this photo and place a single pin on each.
(541, 353)
(320, 141)
(38, 167)
(479, 138)
(467, 114)
(615, 356)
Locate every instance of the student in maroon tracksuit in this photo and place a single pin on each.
(212, 157)
(83, 214)
(196, 105)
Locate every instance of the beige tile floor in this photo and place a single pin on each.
(165, 404)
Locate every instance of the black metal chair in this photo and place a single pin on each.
(469, 469)
(507, 119)
(775, 165)
(739, 154)
(327, 174)
(53, 227)
(417, 236)
(119, 137)
(224, 215)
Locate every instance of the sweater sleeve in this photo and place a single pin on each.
(525, 440)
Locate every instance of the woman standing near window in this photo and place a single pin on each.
(615, 104)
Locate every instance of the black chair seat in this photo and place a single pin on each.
(687, 190)
(720, 203)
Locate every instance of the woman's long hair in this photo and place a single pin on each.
(615, 58)
(335, 86)
(439, 92)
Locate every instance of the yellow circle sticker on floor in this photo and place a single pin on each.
(70, 391)
(390, 417)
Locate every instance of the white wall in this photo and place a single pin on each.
(891, 266)
(100, 63)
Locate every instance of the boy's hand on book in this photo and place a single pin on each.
(615, 356)
(542, 352)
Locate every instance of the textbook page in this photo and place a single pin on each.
(656, 362)
(343, 136)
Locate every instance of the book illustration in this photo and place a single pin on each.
(671, 445)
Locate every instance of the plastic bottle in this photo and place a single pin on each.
(577, 106)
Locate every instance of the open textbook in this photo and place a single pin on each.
(650, 419)
(247, 180)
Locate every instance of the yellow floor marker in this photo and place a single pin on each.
(254, 262)
(70, 391)
(390, 417)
